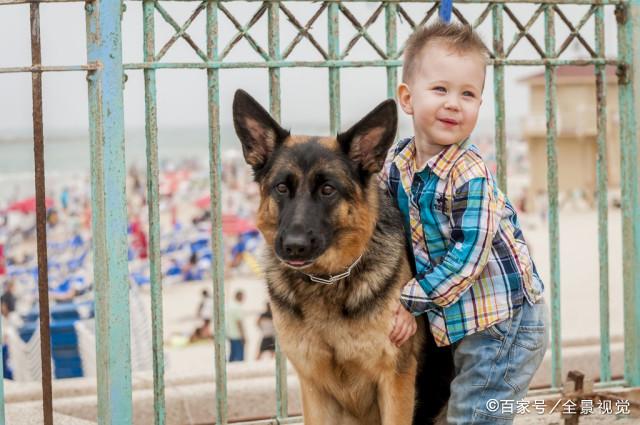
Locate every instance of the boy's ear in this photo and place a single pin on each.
(404, 98)
(258, 132)
(368, 141)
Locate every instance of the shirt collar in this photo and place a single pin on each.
(440, 164)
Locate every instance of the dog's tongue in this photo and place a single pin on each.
(296, 263)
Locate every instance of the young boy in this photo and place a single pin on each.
(475, 278)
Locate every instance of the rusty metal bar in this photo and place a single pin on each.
(575, 31)
(282, 395)
(180, 31)
(215, 189)
(352, 64)
(303, 31)
(627, 17)
(300, 64)
(391, 21)
(403, 13)
(632, 313)
(269, 421)
(498, 95)
(551, 107)
(243, 31)
(40, 68)
(361, 31)
(333, 19)
(485, 13)
(602, 183)
(525, 30)
(10, 2)
(41, 218)
(153, 204)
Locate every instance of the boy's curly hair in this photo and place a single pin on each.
(457, 36)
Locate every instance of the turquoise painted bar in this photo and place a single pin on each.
(628, 19)
(109, 215)
(632, 312)
(551, 103)
(334, 72)
(282, 396)
(153, 197)
(498, 96)
(215, 175)
(391, 22)
(602, 182)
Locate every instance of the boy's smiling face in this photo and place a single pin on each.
(443, 96)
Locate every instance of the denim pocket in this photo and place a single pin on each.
(480, 352)
(530, 337)
(499, 330)
(532, 332)
(528, 348)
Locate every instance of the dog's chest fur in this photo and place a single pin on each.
(338, 335)
(342, 356)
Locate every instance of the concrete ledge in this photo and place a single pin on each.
(583, 358)
(16, 392)
(251, 391)
(195, 403)
(31, 414)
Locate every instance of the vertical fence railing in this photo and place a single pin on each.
(41, 216)
(153, 203)
(391, 18)
(105, 74)
(282, 396)
(627, 52)
(108, 199)
(552, 190)
(602, 182)
(215, 175)
(333, 12)
(498, 96)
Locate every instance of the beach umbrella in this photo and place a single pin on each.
(204, 202)
(28, 205)
(234, 225)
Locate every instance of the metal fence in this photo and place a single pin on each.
(105, 80)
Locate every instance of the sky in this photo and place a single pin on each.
(182, 95)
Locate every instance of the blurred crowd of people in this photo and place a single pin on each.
(185, 228)
(235, 313)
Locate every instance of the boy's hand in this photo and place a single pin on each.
(404, 326)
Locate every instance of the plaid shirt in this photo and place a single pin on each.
(473, 267)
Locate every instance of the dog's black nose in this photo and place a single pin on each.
(296, 245)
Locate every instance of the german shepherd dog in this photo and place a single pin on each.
(335, 265)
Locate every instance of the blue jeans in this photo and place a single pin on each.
(497, 363)
(237, 350)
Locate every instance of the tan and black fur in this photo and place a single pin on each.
(320, 210)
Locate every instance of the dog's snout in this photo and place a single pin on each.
(297, 245)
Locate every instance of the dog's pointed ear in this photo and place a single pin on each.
(368, 141)
(258, 132)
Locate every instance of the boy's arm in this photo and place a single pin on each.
(476, 212)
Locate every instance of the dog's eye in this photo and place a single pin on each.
(327, 190)
(282, 188)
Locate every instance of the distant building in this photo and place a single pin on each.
(577, 132)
